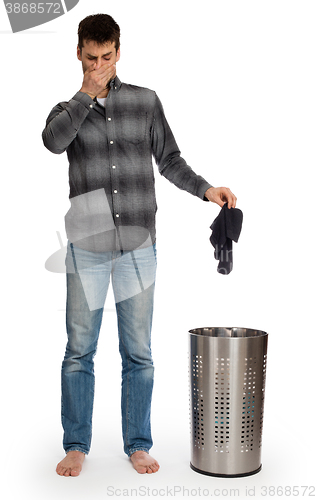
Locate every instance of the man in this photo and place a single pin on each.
(110, 131)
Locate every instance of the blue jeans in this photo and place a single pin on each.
(133, 280)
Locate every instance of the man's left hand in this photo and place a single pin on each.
(221, 195)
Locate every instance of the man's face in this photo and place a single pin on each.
(92, 52)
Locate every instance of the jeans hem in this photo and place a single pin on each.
(76, 449)
(137, 449)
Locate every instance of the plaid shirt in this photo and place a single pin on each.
(111, 176)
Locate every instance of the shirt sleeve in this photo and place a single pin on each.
(167, 156)
(64, 121)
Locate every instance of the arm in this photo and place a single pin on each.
(168, 159)
(175, 168)
(64, 121)
(66, 118)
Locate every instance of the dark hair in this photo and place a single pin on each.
(99, 28)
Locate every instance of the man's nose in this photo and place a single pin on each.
(98, 62)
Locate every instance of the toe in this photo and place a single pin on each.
(60, 470)
(141, 469)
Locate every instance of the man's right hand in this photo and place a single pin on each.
(96, 80)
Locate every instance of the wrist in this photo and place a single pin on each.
(91, 95)
(209, 193)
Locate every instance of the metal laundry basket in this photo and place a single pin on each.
(227, 385)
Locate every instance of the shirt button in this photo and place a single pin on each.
(91, 105)
(117, 215)
(113, 166)
(111, 142)
(115, 191)
(109, 119)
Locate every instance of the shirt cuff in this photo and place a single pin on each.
(84, 99)
(203, 188)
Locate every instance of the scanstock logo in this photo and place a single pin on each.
(24, 14)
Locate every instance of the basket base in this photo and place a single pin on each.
(225, 475)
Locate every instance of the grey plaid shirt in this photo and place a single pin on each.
(111, 177)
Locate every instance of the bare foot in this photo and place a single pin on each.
(71, 465)
(144, 463)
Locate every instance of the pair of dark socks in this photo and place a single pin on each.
(225, 228)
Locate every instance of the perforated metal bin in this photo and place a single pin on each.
(227, 368)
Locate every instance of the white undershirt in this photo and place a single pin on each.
(102, 101)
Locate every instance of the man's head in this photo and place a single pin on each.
(98, 41)
(98, 28)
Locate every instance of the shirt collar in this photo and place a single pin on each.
(115, 84)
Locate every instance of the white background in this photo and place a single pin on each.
(238, 83)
